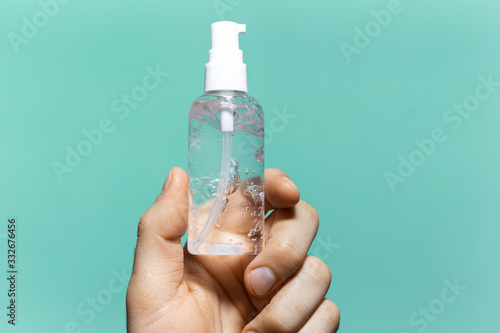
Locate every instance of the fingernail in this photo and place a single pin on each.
(167, 182)
(261, 280)
(291, 183)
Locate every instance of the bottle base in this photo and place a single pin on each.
(219, 249)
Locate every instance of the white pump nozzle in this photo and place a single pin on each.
(225, 69)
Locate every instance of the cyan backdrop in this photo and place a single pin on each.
(385, 113)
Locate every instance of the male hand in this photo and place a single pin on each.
(282, 289)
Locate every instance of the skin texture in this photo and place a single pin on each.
(171, 290)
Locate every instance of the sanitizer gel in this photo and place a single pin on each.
(226, 155)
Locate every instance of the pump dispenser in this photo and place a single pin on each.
(226, 155)
(225, 69)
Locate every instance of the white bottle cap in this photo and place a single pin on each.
(225, 69)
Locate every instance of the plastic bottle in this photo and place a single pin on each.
(226, 155)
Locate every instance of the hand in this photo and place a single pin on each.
(282, 289)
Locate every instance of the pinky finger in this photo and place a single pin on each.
(326, 318)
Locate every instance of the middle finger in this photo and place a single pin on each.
(291, 232)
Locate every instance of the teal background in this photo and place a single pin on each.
(389, 251)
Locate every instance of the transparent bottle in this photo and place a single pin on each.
(226, 172)
(226, 155)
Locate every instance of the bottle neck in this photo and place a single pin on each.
(225, 92)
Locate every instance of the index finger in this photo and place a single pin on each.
(280, 190)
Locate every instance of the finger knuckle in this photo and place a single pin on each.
(281, 322)
(143, 224)
(318, 268)
(332, 313)
(288, 250)
(310, 213)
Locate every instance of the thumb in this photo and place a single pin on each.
(159, 256)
